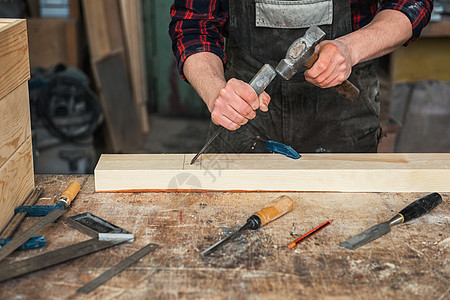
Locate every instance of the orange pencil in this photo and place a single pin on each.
(294, 243)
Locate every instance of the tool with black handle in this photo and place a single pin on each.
(272, 211)
(63, 203)
(412, 211)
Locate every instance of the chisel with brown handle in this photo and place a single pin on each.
(272, 211)
(60, 208)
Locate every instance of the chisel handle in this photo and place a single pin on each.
(420, 207)
(275, 209)
(70, 193)
(263, 78)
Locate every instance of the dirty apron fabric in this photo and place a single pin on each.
(306, 117)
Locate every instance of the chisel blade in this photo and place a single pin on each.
(221, 242)
(367, 236)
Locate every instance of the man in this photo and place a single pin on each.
(303, 112)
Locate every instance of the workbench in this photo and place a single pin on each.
(410, 262)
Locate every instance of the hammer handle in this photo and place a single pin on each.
(346, 88)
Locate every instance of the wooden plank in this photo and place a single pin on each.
(133, 35)
(16, 181)
(61, 40)
(410, 262)
(14, 62)
(96, 28)
(117, 103)
(271, 172)
(15, 125)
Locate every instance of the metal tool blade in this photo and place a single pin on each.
(51, 258)
(367, 236)
(211, 139)
(37, 227)
(127, 262)
(221, 242)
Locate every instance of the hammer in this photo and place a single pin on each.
(300, 54)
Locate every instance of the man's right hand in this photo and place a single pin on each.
(231, 103)
(236, 104)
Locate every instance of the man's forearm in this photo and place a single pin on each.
(386, 32)
(204, 71)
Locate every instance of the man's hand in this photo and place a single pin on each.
(388, 30)
(333, 66)
(236, 104)
(231, 103)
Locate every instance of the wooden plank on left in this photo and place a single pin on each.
(14, 62)
(16, 181)
(15, 125)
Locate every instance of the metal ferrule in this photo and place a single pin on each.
(64, 201)
(398, 219)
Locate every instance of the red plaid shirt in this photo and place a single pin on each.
(198, 26)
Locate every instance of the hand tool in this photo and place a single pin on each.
(300, 54)
(412, 211)
(272, 211)
(127, 262)
(282, 149)
(22, 267)
(259, 83)
(18, 216)
(32, 243)
(98, 228)
(63, 203)
(310, 233)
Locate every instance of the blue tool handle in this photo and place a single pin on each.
(282, 149)
(38, 210)
(32, 243)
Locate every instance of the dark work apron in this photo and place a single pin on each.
(306, 117)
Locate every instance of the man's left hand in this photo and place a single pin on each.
(333, 66)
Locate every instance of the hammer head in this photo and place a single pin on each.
(300, 52)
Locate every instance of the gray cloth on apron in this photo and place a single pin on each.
(301, 115)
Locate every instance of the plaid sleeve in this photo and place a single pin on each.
(418, 12)
(197, 26)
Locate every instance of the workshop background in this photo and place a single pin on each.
(104, 80)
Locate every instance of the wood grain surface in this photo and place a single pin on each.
(411, 262)
(377, 172)
(14, 59)
(15, 126)
(16, 181)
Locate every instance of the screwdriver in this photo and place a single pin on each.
(272, 211)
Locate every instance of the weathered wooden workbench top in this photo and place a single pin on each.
(411, 262)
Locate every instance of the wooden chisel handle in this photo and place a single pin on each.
(420, 207)
(346, 88)
(275, 209)
(70, 193)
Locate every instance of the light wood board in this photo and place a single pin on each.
(15, 125)
(380, 172)
(16, 181)
(61, 40)
(14, 62)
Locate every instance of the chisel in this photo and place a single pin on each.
(272, 211)
(412, 211)
(63, 203)
(259, 83)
